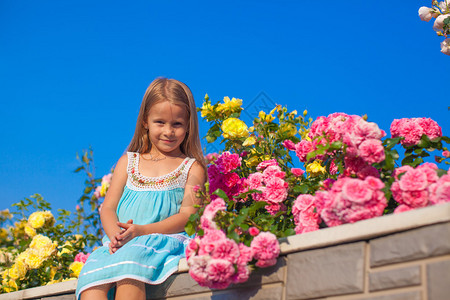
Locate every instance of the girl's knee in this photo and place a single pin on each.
(96, 292)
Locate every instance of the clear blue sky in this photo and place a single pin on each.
(73, 73)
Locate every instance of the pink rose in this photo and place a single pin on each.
(415, 199)
(198, 269)
(273, 171)
(288, 144)
(254, 180)
(253, 231)
(446, 153)
(245, 254)
(372, 151)
(297, 172)
(357, 191)
(228, 162)
(440, 191)
(265, 247)
(402, 208)
(219, 273)
(209, 240)
(192, 247)
(213, 207)
(302, 149)
(413, 180)
(242, 274)
(97, 192)
(81, 257)
(275, 190)
(271, 162)
(226, 249)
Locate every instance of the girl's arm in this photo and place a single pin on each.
(175, 223)
(108, 213)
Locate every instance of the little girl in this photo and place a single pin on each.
(150, 198)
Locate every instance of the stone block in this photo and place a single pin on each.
(183, 284)
(401, 296)
(253, 293)
(394, 278)
(175, 285)
(60, 297)
(410, 245)
(438, 280)
(326, 272)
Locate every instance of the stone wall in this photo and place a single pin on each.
(396, 257)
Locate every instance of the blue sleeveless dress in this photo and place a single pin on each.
(149, 258)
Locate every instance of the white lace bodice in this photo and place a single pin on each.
(175, 179)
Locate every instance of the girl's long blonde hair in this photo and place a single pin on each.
(176, 92)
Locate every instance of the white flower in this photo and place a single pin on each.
(445, 46)
(439, 22)
(444, 6)
(425, 13)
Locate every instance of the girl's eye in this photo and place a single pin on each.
(159, 122)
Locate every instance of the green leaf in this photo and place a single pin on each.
(336, 145)
(78, 169)
(211, 139)
(390, 143)
(220, 193)
(244, 226)
(189, 228)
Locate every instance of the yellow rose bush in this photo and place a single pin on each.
(39, 249)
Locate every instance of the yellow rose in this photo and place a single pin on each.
(252, 161)
(48, 250)
(34, 260)
(229, 106)
(76, 267)
(6, 214)
(288, 129)
(10, 286)
(21, 269)
(234, 129)
(49, 218)
(18, 270)
(66, 248)
(104, 189)
(36, 220)
(315, 168)
(3, 234)
(249, 141)
(30, 231)
(265, 117)
(53, 273)
(39, 241)
(206, 109)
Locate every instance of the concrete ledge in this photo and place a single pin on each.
(367, 229)
(344, 234)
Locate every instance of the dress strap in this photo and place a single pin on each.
(131, 162)
(184, 175)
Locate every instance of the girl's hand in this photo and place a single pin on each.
(129, 232)
(114, 243)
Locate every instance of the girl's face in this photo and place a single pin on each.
(167, 124)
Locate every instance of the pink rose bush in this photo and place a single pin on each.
(350, 200)
(221, 176)
(270, 182)
(419, 187)
(217, 261)
(343, 169)
(413, 129)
